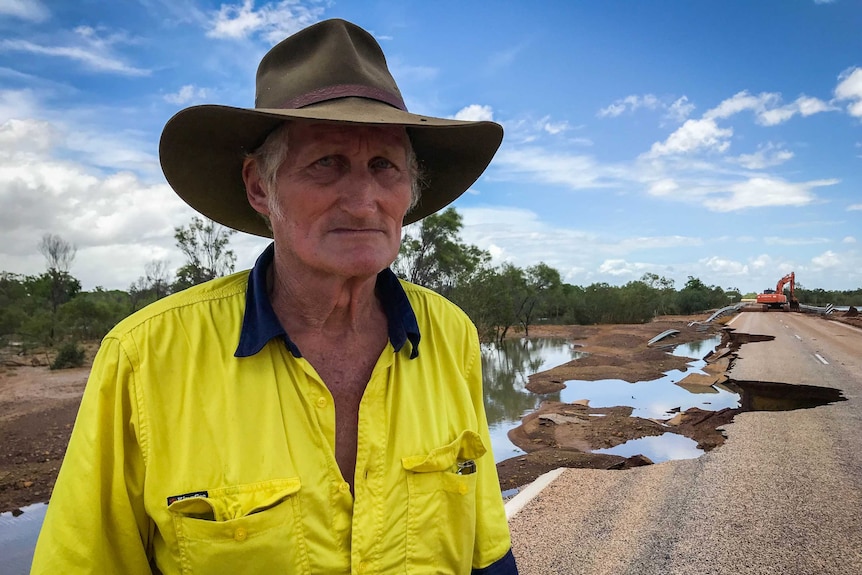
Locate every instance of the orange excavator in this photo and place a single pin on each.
(775, 299)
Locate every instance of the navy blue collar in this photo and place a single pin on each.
(260, 324)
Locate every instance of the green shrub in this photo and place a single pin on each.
(69, 355)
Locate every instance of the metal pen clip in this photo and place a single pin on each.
(466, 467)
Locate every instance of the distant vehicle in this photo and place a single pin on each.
(775, 298)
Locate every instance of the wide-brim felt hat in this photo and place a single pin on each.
(333, 71)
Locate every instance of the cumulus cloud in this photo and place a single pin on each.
(185, 95)
(273, 21)
(849, 240)
(475, 113)
(89, 48)
(127, 217)
(724, 266)
(850, 88)
(766, 156)
(764, 191)
(694, 135)
(827, 259)
(32, 10)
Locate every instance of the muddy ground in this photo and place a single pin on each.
(38, 408)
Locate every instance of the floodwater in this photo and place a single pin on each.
(18, 538)
(508, 367)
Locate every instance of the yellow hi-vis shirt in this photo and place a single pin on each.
(187, 457)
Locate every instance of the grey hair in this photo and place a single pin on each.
(270, 155)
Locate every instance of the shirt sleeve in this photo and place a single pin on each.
(96, 521)
(492, 549)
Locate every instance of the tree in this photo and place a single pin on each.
(59, 255)
(204, 244)
(436, 257)
(542, 283)
(152, 286)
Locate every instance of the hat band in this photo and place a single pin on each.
(345, 91)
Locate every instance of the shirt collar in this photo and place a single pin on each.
(260, 324)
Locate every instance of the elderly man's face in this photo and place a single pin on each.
(340, 197)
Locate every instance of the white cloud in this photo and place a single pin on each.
(663, 187)
(724, 266)
(766, 107)
(32, 10)
(475, 113)
(766, 156)
(91, 50)
(849, 240)
(854, 207)
(764, 191)
(793, 241)
(630, 103)
(827, 259)
(273, 21)
(542, 165)
(555, 128)
(850, 88)
(679, 110)
(694, 135)
(185, 95)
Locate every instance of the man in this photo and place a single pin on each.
(287, 419)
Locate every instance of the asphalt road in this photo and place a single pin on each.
(783, 495)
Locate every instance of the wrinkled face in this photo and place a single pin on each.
(339, 199)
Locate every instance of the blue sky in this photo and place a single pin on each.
(720, 139)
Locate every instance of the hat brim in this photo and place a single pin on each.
(202, 150)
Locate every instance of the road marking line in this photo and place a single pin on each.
(818, 356)
(739, 315)
(529, 493)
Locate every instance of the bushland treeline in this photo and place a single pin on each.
(50, 308)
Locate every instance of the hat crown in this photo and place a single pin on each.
(331, 59)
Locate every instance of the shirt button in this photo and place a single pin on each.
(344, 487)
(240, 534)
(363, 566)
(463, 489)
(321, 402)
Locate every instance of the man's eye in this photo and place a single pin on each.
(326, 162)
(381, 164)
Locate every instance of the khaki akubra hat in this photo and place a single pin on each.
(333, 71)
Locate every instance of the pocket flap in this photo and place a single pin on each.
(226, 503)
(468, 445)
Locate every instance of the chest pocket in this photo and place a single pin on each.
(253, 528)
(441, 508)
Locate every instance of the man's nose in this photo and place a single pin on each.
(360, 193)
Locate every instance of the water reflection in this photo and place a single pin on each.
(18, 538)
(506, 369)
(658, 397)
(657, 448)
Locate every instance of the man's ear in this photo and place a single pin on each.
(254, 189)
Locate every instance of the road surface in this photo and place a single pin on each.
(783, 495)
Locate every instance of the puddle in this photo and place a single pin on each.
(18, 533)
(657, 448)
(658, 397)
